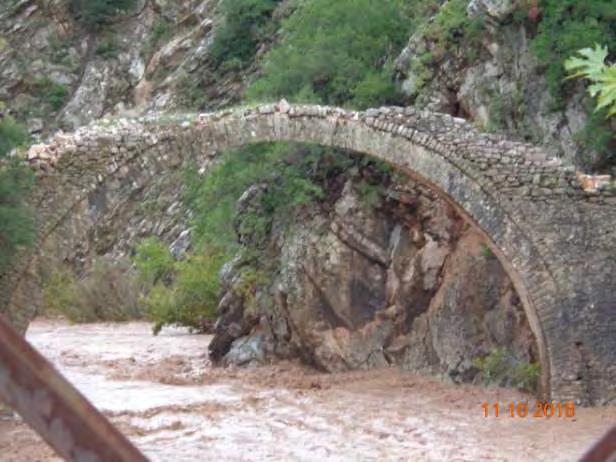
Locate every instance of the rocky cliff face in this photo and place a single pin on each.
(496, 80)
(399, 279)
(57, 74)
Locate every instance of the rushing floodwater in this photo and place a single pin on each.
(163, 394)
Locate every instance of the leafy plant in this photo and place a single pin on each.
(97, 13)
(591, 65)
(336, 53)
(107, 48)
(245, 24)
(12, 134)
(191, 298)
(16, 182)
(54, 94)
(567, 26)
(486, 252)
(503, 368)
(160, 31)
(153, 261)
(16, 218)
(452, 27)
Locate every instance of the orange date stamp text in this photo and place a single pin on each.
(523, 409)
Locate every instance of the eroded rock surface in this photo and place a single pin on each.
(404, 281)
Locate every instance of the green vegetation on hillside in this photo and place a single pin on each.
(16, 219)
(451, 28)
(246, 23)
(97, 13)
(51, 93)
(565, 27)
(336, 53)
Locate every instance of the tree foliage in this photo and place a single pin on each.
(336, 53)
(16, 219)
(97, 13)
(178, 292)
(245, 24)
(591, 65)
(565, 27)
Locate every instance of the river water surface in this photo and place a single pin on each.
(164, 395)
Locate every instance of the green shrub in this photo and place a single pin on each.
(12, 134)
(154, 262)
(565, 27)
(336, 53)
(192, 297)
(60, 293)
(160, 31)
(285, 169)
(97, 13)
(503, 368)
(107, 48)
(452, 28)
(246, 23)
(591, 65)
(16, 182)
(54, 94)
(109, 292)
(190, 93)
(16, 218)
(486, 252)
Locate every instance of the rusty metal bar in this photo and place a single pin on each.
(603, 450)
(47, 402)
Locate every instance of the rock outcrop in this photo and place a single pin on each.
(403, 281)
(498, 82)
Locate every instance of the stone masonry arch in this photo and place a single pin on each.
(556, 241)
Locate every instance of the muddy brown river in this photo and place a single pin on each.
(162, 392)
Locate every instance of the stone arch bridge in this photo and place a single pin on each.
(556, 240)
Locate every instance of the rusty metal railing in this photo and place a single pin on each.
(47, 402)
(604, 450)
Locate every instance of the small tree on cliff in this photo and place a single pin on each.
(96, 13)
